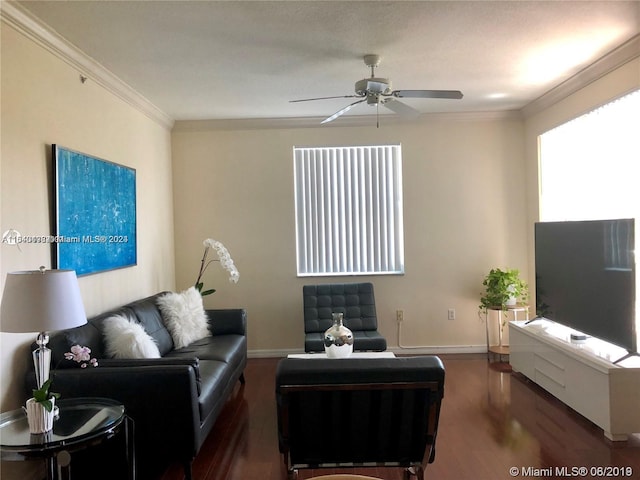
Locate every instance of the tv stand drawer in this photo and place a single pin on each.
(550, 374)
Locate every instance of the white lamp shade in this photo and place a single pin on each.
(41, 301)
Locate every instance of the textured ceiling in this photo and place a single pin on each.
(245, 59)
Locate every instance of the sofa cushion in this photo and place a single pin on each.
(88, 335)
(225, 348)
(184, 316)
(148, 315)
(214, 377)
(127, 339)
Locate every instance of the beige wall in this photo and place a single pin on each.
(616, 83)
(471, 199)
(44, 102)
(464, 213)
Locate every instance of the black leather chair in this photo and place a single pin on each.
(355, 300)
(352, 412)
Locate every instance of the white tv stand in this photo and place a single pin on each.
(583, 376)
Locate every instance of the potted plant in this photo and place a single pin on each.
(40, 408)
(503, 288)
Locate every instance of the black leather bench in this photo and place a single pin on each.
(359, 412)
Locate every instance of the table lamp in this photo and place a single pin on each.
(41, 301)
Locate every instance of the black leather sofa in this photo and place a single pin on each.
(356, 412)
(175, 400)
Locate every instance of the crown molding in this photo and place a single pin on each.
(606, 64)
(347, 121)
(28, 25)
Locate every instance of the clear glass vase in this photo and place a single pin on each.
(338, 339)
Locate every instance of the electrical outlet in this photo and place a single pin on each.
(399, 316)
(451, 314)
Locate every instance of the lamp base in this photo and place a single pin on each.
(42, 359)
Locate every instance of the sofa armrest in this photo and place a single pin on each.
(122, 363)
(228, 321)
(161, 399)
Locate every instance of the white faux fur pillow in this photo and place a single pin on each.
(127, 339)
(184, 316)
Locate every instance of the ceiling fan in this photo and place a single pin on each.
(377, 91)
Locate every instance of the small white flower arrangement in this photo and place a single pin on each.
(81, 355)
(225, 260)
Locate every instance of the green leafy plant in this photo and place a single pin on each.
(43, 396)
(500, 286)
(79, 354)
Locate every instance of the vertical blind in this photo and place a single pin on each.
(348, 204)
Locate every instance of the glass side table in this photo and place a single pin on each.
(81, 423)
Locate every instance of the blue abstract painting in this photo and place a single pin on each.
(95, 213)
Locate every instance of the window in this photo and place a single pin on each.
(590, 166)
(348, 204)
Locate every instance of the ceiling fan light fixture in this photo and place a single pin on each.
(373, 99)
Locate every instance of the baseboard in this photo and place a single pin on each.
(424, 350)
(438, 349)
(281, 353)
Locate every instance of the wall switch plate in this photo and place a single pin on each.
(451, 314)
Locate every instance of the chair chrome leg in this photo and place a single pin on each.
(416, 470)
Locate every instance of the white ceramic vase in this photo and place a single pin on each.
(40, 420)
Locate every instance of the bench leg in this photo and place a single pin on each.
(188, 473)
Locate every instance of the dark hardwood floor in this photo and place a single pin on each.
(491, 421)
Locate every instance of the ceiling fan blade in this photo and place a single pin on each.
(400, 108)
(323, 98)
(450, 94)
(343, 111)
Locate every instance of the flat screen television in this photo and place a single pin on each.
(586, 278)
